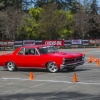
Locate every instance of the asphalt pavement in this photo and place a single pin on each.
(53, 86)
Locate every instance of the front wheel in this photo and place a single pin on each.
(51, 67)
(11, 66)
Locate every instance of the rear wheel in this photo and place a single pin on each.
(11, 66)
(51, 67)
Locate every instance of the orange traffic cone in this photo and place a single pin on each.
(84, 52)
(88, 48)
(31, 76)
(90, 59)
(74, 78)
(97, 61)
(72, 48)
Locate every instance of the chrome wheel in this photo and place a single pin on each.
(10, 66)
(51, 66)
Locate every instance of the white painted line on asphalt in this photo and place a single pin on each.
(60, 91)
(56, 81)
(65, 89)
(29, 87)
(94, 51)
(10, 83)
(11, 78)
(24, 89)
(69, 82)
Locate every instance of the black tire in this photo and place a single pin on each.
(51, 67)
(11, 66)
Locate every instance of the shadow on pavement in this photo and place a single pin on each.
(75, 70)
(50, 96)
(44, 70)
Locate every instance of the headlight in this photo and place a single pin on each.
(63, 60)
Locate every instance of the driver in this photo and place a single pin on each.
(32, 51)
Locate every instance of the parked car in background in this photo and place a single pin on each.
(41, 57)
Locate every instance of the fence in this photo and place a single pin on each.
(76, 43)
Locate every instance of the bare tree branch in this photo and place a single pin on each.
(10, 19)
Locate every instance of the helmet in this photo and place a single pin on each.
(32, 51)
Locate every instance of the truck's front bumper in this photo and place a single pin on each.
(71, 65)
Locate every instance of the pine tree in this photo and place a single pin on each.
(94, 7)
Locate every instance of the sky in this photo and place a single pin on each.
(98, 2)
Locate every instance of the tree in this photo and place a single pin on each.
(10, 19)
(10, 3)
(53, 23)
(61, 4)
(46, 23)
(94, 7)
(29, 25)
(81, 20)
(27, 4)
(94, 19)
(95, 26)
(81, 25)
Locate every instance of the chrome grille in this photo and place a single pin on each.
(69, 60)
(79, 59)
(72, 60)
